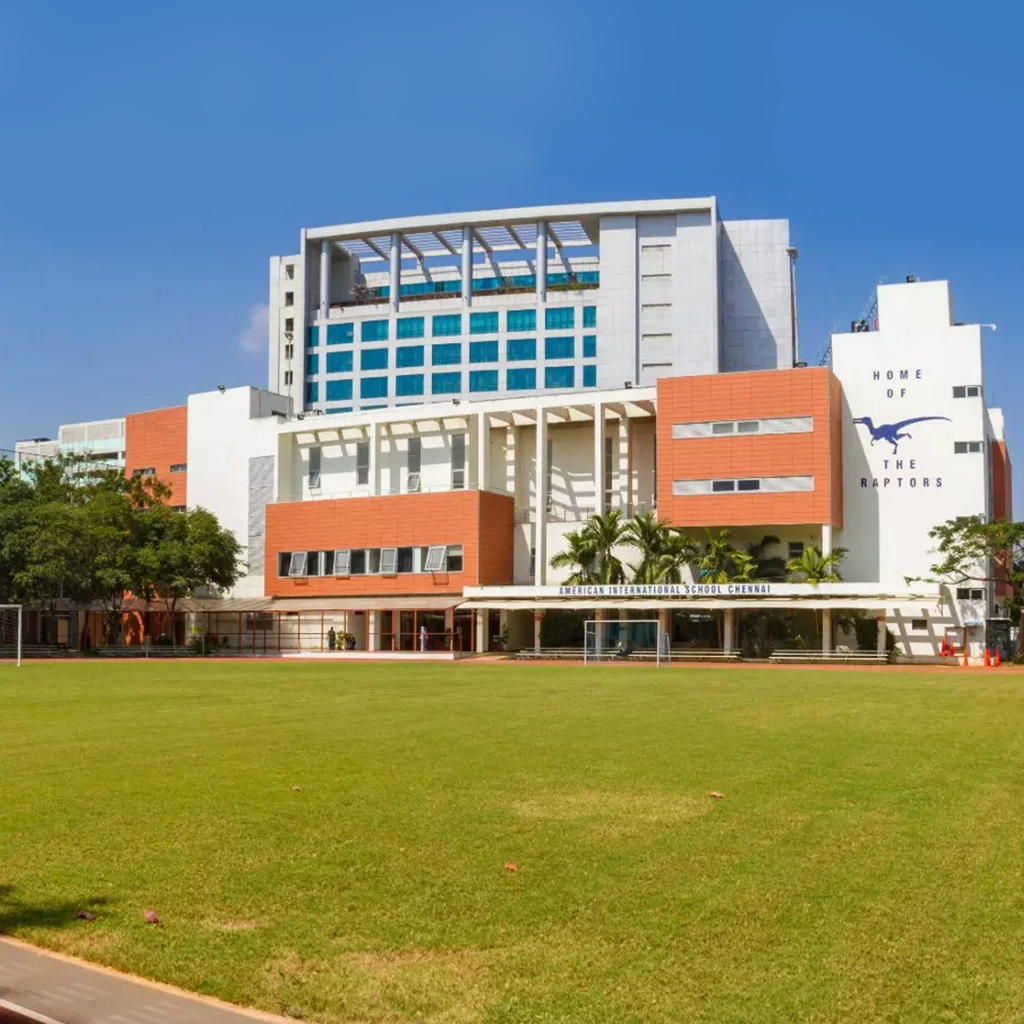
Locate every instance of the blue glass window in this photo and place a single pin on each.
(373, 387)
(340, 334)
(339, 391)
(339, 408)
(373, 359)
(339, 362)
(483, 323)
(559, 377)
(447, 325)
(409, 355)
(312, 392)
(410, 327)
(483, 351)
(446, 383)
(562, 318)
(559, 348)
(483, 380)
(521, 320)
(409, 384)
(446, 355)
(374, 330)
(590, 316)
(521, 379)
(589, 346)
(590, 376)
(312, 365)
(311, 337)
(517, 349)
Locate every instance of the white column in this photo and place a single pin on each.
(729, 630)
(542, 261)
(482, 639)
(325, 279)
(396, 270)
(540, 499)
(538, 616)
(467, 266)
(598, 459)
(664, 622)
(826, 539)
(625, 481)
(826, 631)
(880, 643)
(483, 450)
(373, 631)
(375, 441)
(511, 453)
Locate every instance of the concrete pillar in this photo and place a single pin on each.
(540, 499)
(599, 508)
(542, 263)
(375, 441)
(538, 617)
(826, 539)
(664, 629)
(483, 641)
(325, 279)
(729, 630)
(826, 631)
(373, 631)
(449, 626)
(396, 270)
(880, 642)
(511, 451)
(483, 451)
(467, 266)
(625, 474)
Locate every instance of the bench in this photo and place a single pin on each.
(832, 657)
(609, 654)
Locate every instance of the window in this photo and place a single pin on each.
(520, 349)
(748, 485)
(312, 563)
(521, 320)
(314, 466)
(342, 562)
(407, 384)
(590, 316)
(312, 365)
(436, 558)
(967, 391)
(289, 271)
(147, 471)
(289, 298)
(609, 460)
(284, 563)
(288, 378)
(721, 486)
(410, 327)
(373, 359)
(589, 346)
(289, 350)
(179, 467)
(388, 561)
(339, 408)
(483, 323)
(414, 455)
(373, 387)
(339, 390)
(965, 447)
(483, 351)
(748, 427)
(289, 325)
(297, 564)
(522, 379)
(454, 558)
(560, 377)
(340, 334)
(533, 562)
(445, 383)
(339, 362)
(458, 462)
(405, 560)
(311, 337)
(312, 392)
(446, 355)
(362, 462)
(723, 428)
(796, 548)
(357, 566)
(559, 348)
(374, 330)
(970, 594)
(590, 376)
(483, 380)
(446, 325)
(561, 318)
(919, 625)
(765, 484)
(409, 355)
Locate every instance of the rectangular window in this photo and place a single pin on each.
(311, 341)
(483, 323)
(721, 486)
(312, 563)
(312, 365)
(517, 320)
(373, 387)
(358, 564)
(454, 558)
(289, 298)
(289, 378)
(609, 460)
(284, 563)
(483, 351)
(449, 354)
(561, 318)
(970, 594)
(410, 355)
(339, 390)
(521, 349)
(179, 467)
(590, 316)
(559, 348)
(339, 408)
(340, 334)
(446, 325)
(410, 327)
(339, 362)
(483, 380)
(374, 330)
(289, 271)
(289, 325)
(445, 383)
(796, 548)
(748, 485)
(362, 463)
(436, 559)
(315, 455)
(967, 391)
(373, 359)
(560, 377)
(748, 427)
(414, 455)
(405, 559)
(589, 346)
(966, 447)
(312, 392)
(297, 565)
(388, 561)
(590, 376)
(147, 471)
(289, 351)
(342, 562)
(521, 379)
(723, 428)
(919, 625)
(458, 462)
(407, 384)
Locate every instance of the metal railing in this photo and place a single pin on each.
(559, 513)
(317, 494)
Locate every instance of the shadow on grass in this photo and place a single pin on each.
(15, 913)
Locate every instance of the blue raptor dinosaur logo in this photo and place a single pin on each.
(893, 432)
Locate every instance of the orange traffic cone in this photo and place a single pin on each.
(988, 658)
(999, 657)
(942, 648)
(965, 656)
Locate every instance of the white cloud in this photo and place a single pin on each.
(253, 338)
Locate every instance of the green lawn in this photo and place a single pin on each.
(330, 841)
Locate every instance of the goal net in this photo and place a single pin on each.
(624, 640)
(10, 633)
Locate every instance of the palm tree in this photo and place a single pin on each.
(814, 568)
(604, 533)
(720, 562)
(578, 556)
(663, 551)
(768, 567)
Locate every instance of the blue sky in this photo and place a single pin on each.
(155, 156)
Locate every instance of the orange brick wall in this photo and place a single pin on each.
(159, 439)
(762, 394)
(1002, 496)
(478, 520)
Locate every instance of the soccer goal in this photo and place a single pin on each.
(10, 633)
(624, 640)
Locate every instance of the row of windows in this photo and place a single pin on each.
(746, 485)
(486, 284)
(726, 428)
(370, 561)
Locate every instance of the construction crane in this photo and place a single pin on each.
(865, 322)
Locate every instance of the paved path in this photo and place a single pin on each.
(56, 989)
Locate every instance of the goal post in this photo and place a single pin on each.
(610, 640)
(10, 633)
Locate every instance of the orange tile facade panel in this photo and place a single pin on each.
(1002, 496)
(480, 521)
(158, 440)
(757, 395)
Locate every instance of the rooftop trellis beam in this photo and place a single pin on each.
(413, 248)
(444, 242)
(515, 234)
(370, 243)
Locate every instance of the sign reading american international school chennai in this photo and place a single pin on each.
(667, 590)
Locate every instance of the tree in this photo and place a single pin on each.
(971, 550)
(767, 567)
(604, 533)
(15, 495)
(815, 568)
(578, 556)
(719, 562)
(663, 550)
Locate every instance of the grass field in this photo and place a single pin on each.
(329, 842)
